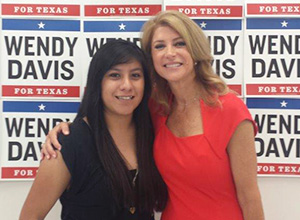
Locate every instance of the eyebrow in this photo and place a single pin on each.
(175, 39)
(138, 68)
(120, 69)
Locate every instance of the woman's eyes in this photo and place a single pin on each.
(114, 75)
(118, 75)
(159, 46)
(176, 44)
(180, 44)
(136, 75)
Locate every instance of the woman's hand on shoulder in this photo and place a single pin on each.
(51, 143)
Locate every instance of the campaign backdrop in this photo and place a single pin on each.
(24, 125)
(278, 136)
(272, 83)
(46, 49)
(272, 52)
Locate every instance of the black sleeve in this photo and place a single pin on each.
(76, 153)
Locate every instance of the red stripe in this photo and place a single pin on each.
(40, 9)
(19, 172)
(278, 169)
(209, 11)
(40, 91)
(121, 10)
(273, 89)
(236, 88)
(273, 9)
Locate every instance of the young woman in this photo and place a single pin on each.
(105, 169)
(204, 134)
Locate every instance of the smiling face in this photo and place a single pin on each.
(123, 88)
(171, 58)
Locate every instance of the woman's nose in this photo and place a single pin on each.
(171, 51)
(126, 84)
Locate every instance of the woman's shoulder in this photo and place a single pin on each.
(78, 138)
(78, 128)
(79, 125)
(231, 108)
(78, 146)
(221, 122)
(230, 102)
(234, 110)
(230, 98)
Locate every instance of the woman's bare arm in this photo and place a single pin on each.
(52, 174)
(241, 150)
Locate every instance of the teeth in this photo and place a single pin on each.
(125, 97)
(173, 65)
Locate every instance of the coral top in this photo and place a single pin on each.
(196, 169)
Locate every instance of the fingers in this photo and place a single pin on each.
(44, 153)
(65, 128)
(52, 143)
(47, 150)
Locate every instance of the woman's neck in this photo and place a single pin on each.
(118, 123)
(122, 130)
(185, 92)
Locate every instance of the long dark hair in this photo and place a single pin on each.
(152, 192)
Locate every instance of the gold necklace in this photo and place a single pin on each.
(189, 102)
(135, 176)
(132, 208)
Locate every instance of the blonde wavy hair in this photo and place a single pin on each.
(210, 84)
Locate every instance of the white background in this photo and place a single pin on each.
(280, 195)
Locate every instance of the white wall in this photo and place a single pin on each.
(12, 197)
(281, 199)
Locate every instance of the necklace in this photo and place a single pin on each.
(132, 208)
(189, 102)
(135, 176)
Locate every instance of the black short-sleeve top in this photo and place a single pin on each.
(89, 195)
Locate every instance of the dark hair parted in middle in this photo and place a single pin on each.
(152, 193)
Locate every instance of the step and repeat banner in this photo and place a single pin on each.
(46, 50)
(272, 83)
